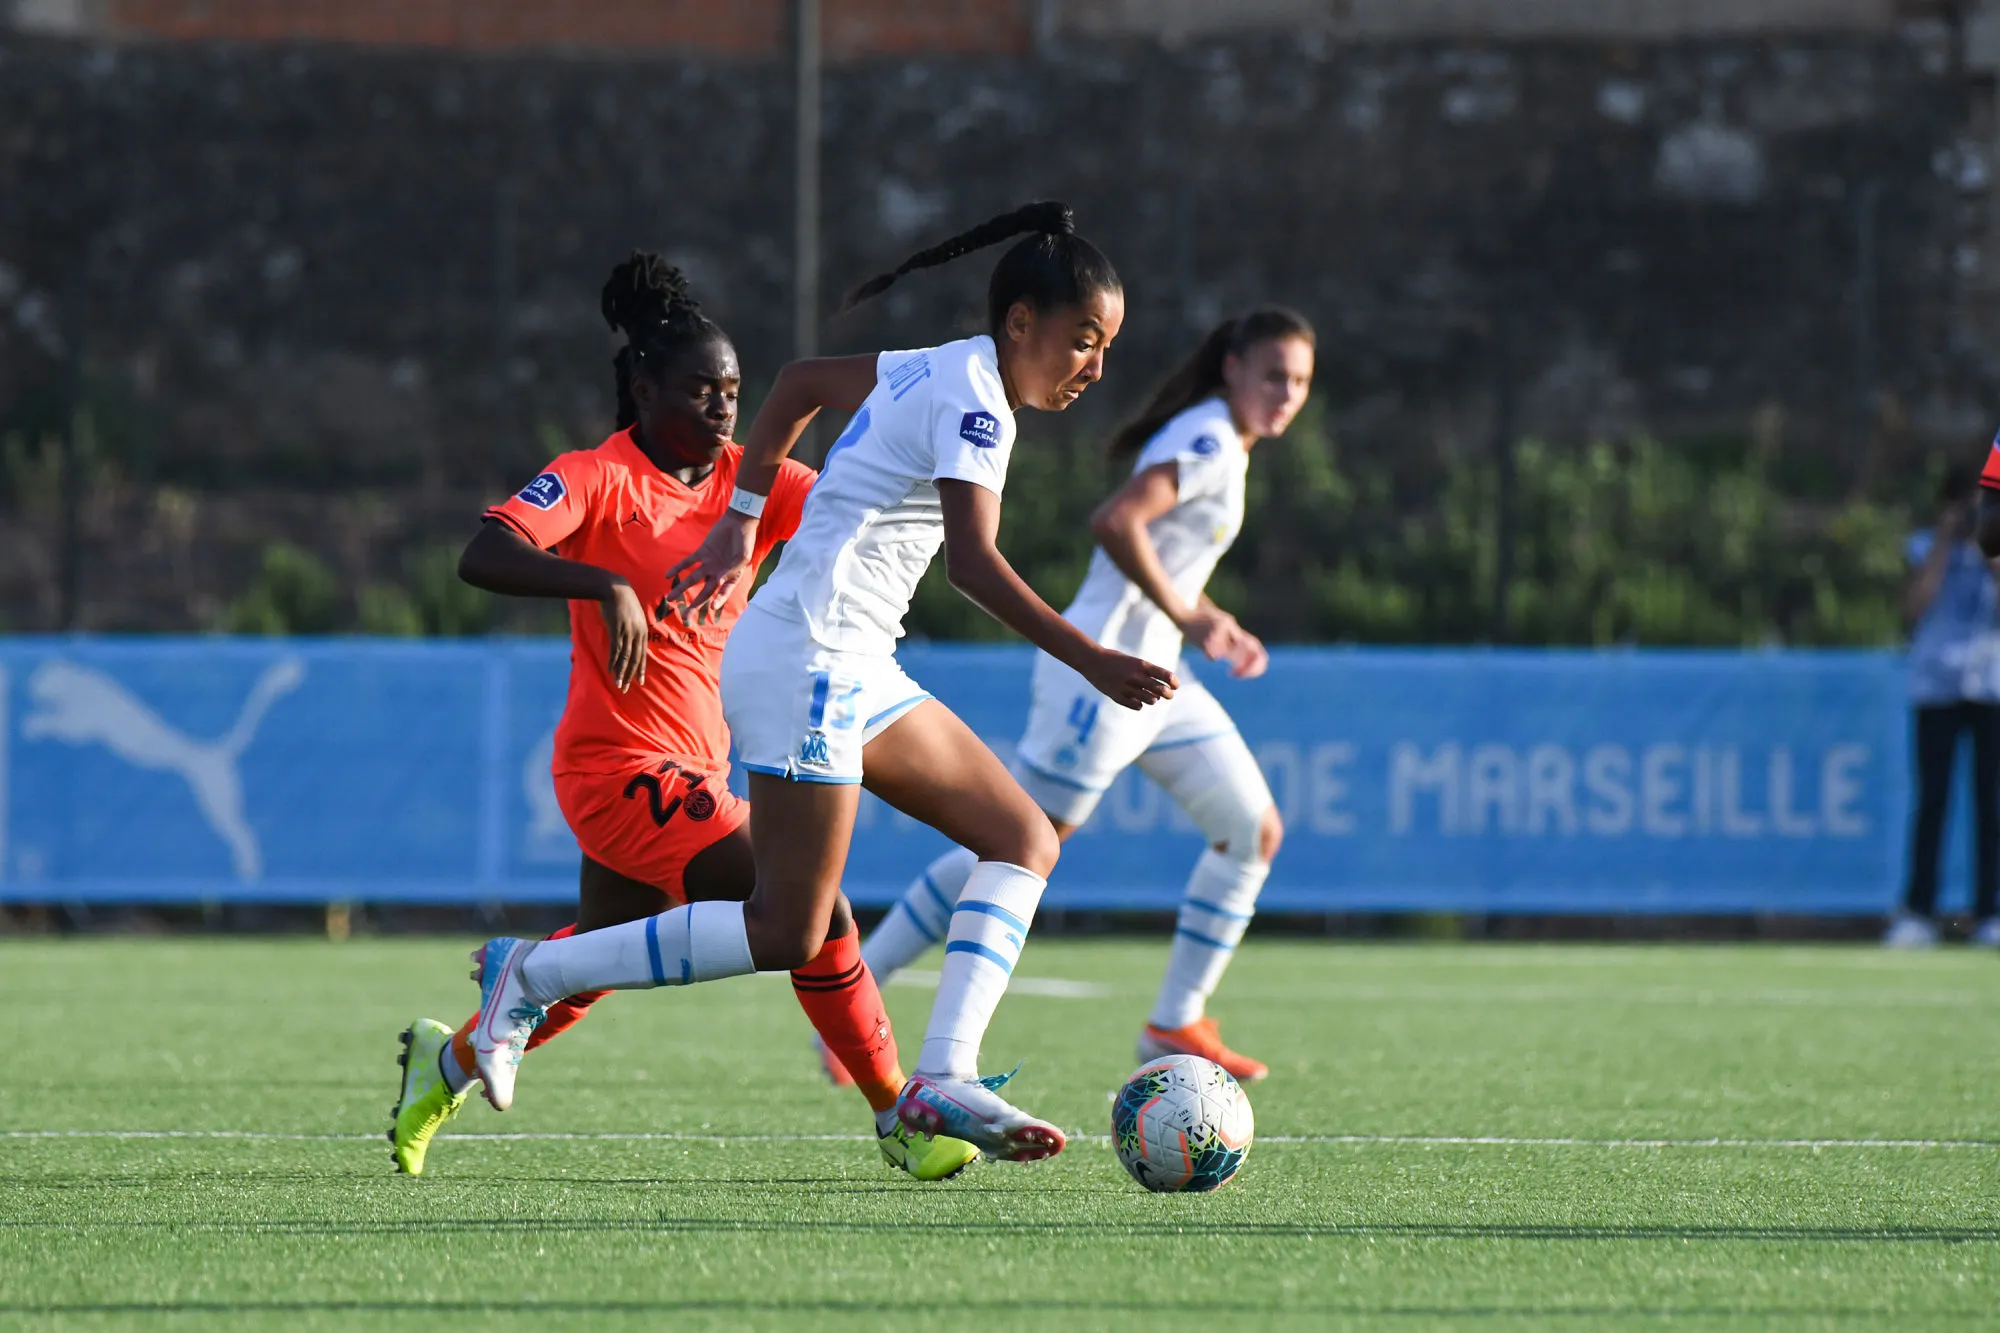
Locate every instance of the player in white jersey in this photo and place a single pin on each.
(816, 701)
(1161, 535)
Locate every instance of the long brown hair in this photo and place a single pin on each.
(1200, 376)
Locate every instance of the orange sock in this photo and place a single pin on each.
(839, 995)
(564, 1014)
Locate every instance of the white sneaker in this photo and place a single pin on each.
(506, 1016)
(1911, 932)
(969, 1109)
(1987, 934)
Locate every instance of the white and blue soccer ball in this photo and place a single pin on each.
(1182, 1123)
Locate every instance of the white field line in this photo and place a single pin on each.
(1054, 988)
(1700, 997)
(1343, 1140)
(1793, 997)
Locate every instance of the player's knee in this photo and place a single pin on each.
(1025, 839)
(1040, 847)
(1270, 835)
(782, 942)
(1244, 830)
(840, 922)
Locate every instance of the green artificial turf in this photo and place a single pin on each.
(1354, 1209)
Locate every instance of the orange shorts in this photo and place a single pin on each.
(650, 820)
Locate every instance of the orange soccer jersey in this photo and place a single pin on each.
(611, 507)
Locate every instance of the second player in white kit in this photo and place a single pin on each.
(1162, 535)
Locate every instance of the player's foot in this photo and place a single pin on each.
(425, 1103)
(506, 1016)
(971, 1109)
(1909, 931)
(926, 1159)
(1203, 1039)
(836, 1072)
(1986, 935)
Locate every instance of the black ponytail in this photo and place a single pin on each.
(647, 299)
(1053, 267)
(1200, 376)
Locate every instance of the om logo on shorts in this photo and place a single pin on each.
(813, 751)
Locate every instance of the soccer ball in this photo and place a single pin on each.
(1182, 1123)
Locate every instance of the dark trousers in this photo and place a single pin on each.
(1938, 728)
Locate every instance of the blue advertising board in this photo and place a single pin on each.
(1488, 781)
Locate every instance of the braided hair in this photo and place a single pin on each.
(647, 300)
(1200, 376)
(1052, 268)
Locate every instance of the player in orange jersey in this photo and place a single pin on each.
(641, 753)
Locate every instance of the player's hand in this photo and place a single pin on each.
(1131, 682)
(700, 585)
(1247, 656)
(1213, 631)
(627, 625)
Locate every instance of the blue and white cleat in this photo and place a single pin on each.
(972, 1110)
(506, 1016)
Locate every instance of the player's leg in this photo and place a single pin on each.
(930, 765)
(439, 1068)
(1074, 746)
(843, 1003)
(1936, 728)
(1201, 762)
(1985, 726)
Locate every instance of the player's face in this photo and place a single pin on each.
(1052, 356)
(688, 410)
(1268, 384)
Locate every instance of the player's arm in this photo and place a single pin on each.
(707, 577)
(1120, 526)
(1927, 579)
(974, 565)
(499, 559)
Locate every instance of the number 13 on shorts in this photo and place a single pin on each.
(833, 702)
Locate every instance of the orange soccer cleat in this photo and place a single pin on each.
(1199, 1038)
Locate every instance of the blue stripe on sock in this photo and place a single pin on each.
(918, 922)
(1224, 913)
(944, 904)
(653, 950)
(998, 913)
(990, 955)
(1203, 939)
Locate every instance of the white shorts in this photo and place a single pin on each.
(1077, 741)
(800, 710)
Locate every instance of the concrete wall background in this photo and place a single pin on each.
(347, 295)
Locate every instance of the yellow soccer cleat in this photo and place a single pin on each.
(926, 1159)
(426, 1102)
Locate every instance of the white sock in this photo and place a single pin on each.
(988, 927)
(920, 918)
(1221, 896)
(455, 1075)
(886, 1122)
(698, 942)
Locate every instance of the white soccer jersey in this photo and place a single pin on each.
(873, 521)
(1190, 538)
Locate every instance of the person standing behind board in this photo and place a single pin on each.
(1953, 611)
